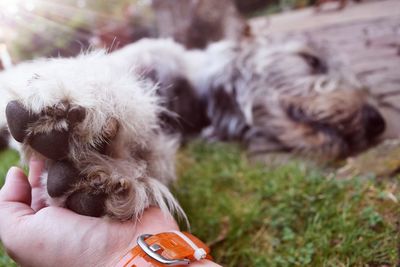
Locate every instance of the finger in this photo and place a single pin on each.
(38, 201)
(16, 187)
(36, 167)
(15, 198)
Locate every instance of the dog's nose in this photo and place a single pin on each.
(373, 122)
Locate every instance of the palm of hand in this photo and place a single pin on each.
(36, 235)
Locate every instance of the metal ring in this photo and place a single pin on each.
(155, 256)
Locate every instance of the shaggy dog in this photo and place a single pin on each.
(281, 95)
(270, 95)
(107, 124)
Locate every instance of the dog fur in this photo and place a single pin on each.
(270, 95)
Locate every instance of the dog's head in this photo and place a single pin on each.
(307, 102)
(342, 122)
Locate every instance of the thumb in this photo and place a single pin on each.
(16, 187)
(15, 199)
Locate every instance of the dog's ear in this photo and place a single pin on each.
(316, 63)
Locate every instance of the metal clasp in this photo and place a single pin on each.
(151, 251)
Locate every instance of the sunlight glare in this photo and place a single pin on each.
(13, 7)
(29, 6)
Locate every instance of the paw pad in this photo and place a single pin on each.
(18, 119)
(53, 144)
(62, 175)
(86, 203)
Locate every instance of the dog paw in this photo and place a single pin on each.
(85, 171)
(46, 132)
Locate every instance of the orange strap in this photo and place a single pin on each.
(178, 247)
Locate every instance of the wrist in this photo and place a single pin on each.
(153, 221)
(167, 249)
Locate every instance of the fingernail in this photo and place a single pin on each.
(13, 171)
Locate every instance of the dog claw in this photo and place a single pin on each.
(87, 204)
(53, 145)
(62, 175)
(18, 119)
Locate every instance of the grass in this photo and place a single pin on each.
(288, 216)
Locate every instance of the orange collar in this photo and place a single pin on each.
(165, 249)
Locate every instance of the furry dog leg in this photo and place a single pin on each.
(96, 125)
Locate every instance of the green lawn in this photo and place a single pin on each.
(287, 216)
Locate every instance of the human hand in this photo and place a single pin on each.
(36, 235)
